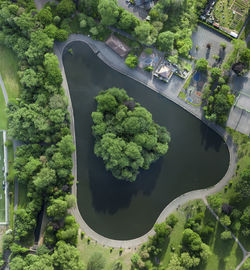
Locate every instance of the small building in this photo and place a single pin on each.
(216, 25)
(118, 46)
(164, 72)
(233, 34)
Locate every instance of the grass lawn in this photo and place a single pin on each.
(226, 255)
(8, 70)
(2, 196)
(22, 196)
(87, 250)
(243, 162)
(3, 116)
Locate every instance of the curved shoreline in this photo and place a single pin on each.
(106, 55)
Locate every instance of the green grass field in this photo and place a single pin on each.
(2, 196)
(243, 143)
(88, 249)
(8, 70)
(3, 116)
(226, 255)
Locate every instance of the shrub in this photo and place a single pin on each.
(223, 45)
(61, 35)
(172, 220)
(149, 69)
(226, 235)
(201, 65)
(131, 61)
(96, 262)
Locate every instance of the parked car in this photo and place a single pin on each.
(3, 185)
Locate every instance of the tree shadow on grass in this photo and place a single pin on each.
(222, 248)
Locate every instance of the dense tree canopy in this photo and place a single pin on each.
(109, 11)
(127, 138)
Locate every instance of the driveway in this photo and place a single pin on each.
(139, 12)
(41, 3)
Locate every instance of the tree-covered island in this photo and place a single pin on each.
(127, 138)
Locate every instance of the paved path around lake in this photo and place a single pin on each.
(115, 62)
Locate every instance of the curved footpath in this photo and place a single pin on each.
(4, 90)
(115, 62)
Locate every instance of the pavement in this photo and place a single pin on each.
(204, 35)
(41, 3)
(4, 90)
(139, 12)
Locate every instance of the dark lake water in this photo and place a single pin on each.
(197, 156)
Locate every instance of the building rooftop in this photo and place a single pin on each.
(164, 71)
(118, 46)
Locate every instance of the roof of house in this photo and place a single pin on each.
(164, 71)
(117, 45)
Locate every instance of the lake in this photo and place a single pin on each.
(197, 156)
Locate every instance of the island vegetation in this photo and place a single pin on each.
(127, 138)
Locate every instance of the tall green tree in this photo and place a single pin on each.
(166, 41)
(146, 33)
(109, 11)
(66, 257)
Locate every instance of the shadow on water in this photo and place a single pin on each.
(206, 141)
(113, 194)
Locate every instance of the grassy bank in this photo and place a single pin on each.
(8, 70)
(87, 249)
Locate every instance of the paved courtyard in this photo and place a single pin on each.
(243, 102)
(204, 35)
(241, 84)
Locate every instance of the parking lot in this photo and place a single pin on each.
(203, 36)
